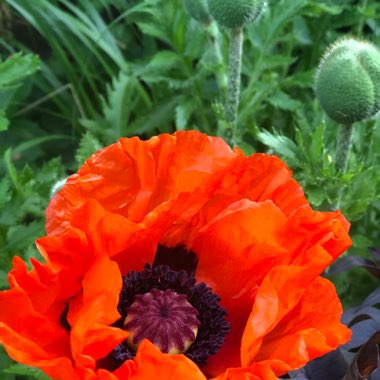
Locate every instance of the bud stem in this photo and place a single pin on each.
(343, 147)
(233, 92)
(344, 144)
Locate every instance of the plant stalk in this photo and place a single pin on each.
(344, 144)
(233, 91)
(343, 147)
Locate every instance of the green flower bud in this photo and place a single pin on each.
(198, 10)
(235, 13)
(348, 81)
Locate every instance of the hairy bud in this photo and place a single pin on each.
(348, 81)
(235, 13)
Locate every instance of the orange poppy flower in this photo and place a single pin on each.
(177, 258)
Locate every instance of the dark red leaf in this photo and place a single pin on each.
(366, 360)
(350, 262)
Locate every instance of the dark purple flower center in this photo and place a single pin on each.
(166, 305)
(166, 318)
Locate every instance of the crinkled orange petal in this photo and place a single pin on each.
(261, 177)
(232, 261)
(92, 313)
(17, 314)
(132, 177)
(50, 286)
(32, 338)
(131, 245)
(150, 363)
(306, 228)
(295, 318)
(240, 245)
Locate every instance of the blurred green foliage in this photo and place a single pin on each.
(77, 75)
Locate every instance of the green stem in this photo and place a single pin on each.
(344, 144)
(233, 92)
(343, 147)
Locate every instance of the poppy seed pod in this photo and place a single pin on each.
(348, 81)
(235, 13)
(198, 10)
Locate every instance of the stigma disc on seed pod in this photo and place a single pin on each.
(198, 10)
(347, 81)
(235, 13)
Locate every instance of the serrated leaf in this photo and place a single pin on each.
(119, 102)
(281, 145)
(182, 114)
(88, 145)
(154, 31)
(162, 62)
(284, 101)
(17, 67)
(18, 237)
(277, 60)
(12, 171)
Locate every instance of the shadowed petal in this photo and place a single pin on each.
(150, 362)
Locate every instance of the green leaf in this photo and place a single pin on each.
(12, 171)
(18, 235)
(302, 31)
(5, 362)
(284, 101)
(161, 62)
(20, 369)
(88, 145)
(281, 145)
(3, 279)
(4, 122)
(4, 191)
(119, 104)
(17, 67)
(183, 112)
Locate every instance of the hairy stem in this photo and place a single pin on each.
(343, 147)
(344, 144)
(233, 92)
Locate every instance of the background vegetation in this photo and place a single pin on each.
(75, 75)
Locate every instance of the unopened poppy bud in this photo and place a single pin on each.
(165, 318)
(348, 81)
(198, 10)
(235, 13)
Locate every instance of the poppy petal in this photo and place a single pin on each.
(149, 361)
(328, 230)
(132, 177)
(293, 326)
(261, 177)
(32, 338)
(92, 313)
